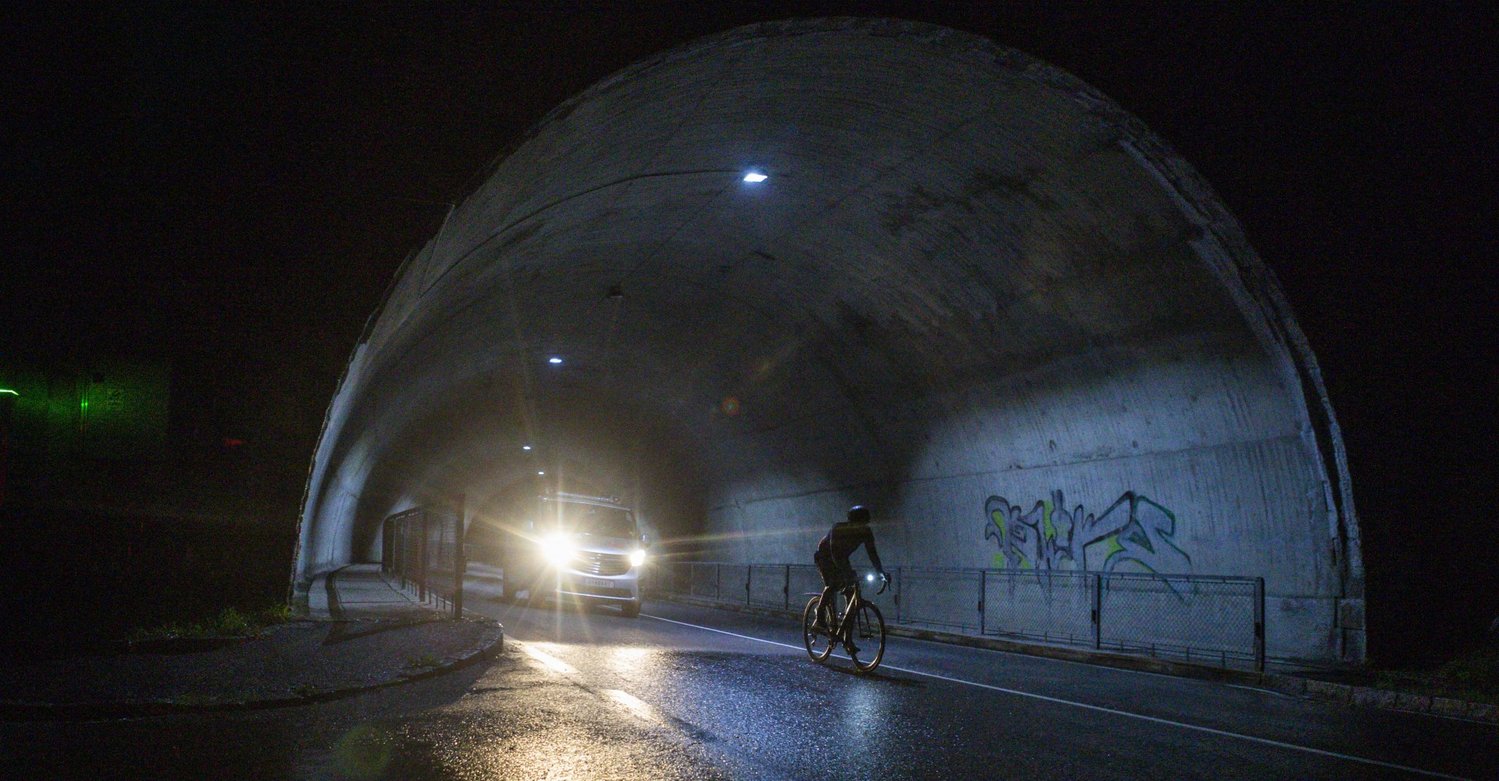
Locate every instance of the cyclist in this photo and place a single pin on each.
(832, 555)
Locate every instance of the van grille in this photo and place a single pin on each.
(603, 563)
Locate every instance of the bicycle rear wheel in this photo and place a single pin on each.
(869, 635)
(818, 639)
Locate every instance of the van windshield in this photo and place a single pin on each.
(594, 520)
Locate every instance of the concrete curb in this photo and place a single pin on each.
(1369, 696)
(1296, 686)
(490, 645)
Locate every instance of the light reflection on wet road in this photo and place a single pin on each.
(740, 688)
(595, 695)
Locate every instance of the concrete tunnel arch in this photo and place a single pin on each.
(970, 286)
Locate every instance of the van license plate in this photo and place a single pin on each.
(597, 583)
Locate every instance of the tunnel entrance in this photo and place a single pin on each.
(799, 265)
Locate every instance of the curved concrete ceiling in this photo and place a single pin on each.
(968, 277)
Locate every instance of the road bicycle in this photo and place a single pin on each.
(859, 627)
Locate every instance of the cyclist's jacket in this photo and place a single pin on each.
(844, 539)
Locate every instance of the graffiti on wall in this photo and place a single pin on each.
(1134, 533)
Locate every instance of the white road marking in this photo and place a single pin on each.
(1258, 690)
(547, 659)
(640, 708)
(1102, 709)
(632, 704)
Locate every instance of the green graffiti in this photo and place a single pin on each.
(1110, 546)
(997, 530)
(1134, 532)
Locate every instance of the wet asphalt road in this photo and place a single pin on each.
(686, 692)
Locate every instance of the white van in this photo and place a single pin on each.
(572, 546)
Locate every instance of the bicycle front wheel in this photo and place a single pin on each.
(817, 637)
(869, 635)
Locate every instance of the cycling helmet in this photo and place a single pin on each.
(858, 514)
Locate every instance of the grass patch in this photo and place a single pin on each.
(1472, 676)
(228, 622)
(304, 690)
(425, 660)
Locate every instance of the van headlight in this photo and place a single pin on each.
(557, 549)
(637, 558)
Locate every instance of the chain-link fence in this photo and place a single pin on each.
(1218, 620)
(423, 551)
(1206, 619)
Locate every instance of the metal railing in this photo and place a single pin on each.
(1204, 619)
(423, 550)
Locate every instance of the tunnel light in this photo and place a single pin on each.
(539, 472)
(525, 447)
(555, 361)
(8, 391)
(637, 558)
(869, 577)
(755, 177)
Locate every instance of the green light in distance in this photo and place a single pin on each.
(8, 390)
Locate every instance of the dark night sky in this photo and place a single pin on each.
(231, 188)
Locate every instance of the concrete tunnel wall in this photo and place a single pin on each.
(971, 287)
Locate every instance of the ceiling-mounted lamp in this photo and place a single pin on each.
(754, 177)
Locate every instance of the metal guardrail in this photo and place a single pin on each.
(423, 550)
(1205, 619)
